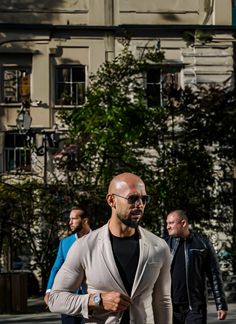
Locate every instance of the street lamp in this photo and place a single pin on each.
(24, 120)
(50, 140)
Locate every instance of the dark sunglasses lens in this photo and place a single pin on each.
(134, 198)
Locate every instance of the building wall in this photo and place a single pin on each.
(48, 33)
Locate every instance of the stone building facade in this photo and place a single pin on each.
(49, 48)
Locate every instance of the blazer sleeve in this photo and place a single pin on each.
(63, 298)
(56, 266)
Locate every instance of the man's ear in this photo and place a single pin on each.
(111, 200)
(183, 221)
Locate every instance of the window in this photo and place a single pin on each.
(153, 87)
(70, 85)
(233, 12)
(161, 83)
(16, 84)
(17, 156)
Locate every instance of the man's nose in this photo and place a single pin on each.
(139, 201)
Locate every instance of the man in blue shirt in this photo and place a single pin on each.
(79, 225)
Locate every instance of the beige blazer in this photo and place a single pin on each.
(91, 257)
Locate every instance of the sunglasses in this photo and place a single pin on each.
(132, 199)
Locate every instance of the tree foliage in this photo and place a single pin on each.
(183, 150)
(111, 128)
(33, 218)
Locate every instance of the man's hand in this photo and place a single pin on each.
(222, 314)
(112, 301)
(46, 297)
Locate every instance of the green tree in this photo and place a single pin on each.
(183, 149)
(197, 154)
(111, 131)
(33, 218)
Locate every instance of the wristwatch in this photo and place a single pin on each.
(97, 299)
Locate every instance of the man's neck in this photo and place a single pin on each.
(83, 232)
(121, 230)
(186, 234)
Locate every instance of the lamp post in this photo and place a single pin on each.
(24, 120)
(23, 123)
(49, 140)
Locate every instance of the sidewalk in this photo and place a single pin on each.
(36, 313)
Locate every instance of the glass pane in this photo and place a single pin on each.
(63, 75)
(63, 96)
(78, 95)
(9, 162)
(16, 85)
(234, 14)
(10, 86)
(17, 159)
(22, 158)
(78, 74)
(9, 140)
(153, 76)
(20, 140)
(153, 95)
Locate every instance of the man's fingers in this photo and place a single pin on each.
(115, 302)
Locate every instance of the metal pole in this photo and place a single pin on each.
(45, 180)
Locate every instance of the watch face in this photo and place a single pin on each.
(96, 299)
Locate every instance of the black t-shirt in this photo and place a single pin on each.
(126, 254)
(178, 272)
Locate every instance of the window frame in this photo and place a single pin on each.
(17, 155)
(21, 72)
(233, 12)
(166, 71)
(73, 86)
(158, 84)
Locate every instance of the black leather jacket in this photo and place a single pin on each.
(201, 263)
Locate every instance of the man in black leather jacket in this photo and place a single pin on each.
(193, 261)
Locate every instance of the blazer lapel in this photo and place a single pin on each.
(143, 258)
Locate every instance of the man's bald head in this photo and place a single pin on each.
(127, 199)
(125, 181)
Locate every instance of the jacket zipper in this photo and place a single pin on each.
(186, 270)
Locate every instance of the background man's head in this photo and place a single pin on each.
(78, 219)
(177, 224)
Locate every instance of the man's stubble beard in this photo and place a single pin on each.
(77, 229)
(128, 222)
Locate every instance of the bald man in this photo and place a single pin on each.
(194, 260)
(126, 267)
